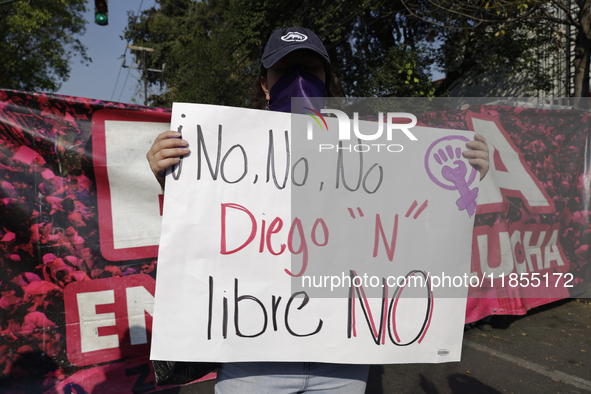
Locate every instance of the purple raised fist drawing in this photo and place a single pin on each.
(445, 167)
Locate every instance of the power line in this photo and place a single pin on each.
(116, 81)
(124, 83)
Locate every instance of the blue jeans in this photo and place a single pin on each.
(291, 377)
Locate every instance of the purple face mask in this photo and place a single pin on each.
(298, 83)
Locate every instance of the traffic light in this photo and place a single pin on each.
(101, 12)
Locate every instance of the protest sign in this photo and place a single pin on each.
(281, 243)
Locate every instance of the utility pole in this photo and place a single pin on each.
(145, 69)
(145, 75)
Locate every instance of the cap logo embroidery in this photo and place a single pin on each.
(294, 37)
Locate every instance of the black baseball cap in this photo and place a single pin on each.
(287, 40)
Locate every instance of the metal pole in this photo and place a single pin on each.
(144, 68)
(145, 81)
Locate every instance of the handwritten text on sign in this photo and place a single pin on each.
(274, 249)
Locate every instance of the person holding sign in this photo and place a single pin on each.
(304, 69)
(294, 64)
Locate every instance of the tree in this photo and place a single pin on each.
(543, 24)
(212, 49)
(190, 38)
(380, 48)
(512, 50)
(37, 42)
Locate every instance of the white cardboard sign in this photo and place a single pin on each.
(281, 245)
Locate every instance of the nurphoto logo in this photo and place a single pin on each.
(344, 129)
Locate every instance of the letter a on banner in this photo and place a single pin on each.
(510, 173)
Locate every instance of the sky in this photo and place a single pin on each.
(99, 79)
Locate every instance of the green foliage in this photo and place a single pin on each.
(212, 48)
(491, 39)
(528, 40)
(404, 73)
(201, 55)
(37, 42)
(497, 51)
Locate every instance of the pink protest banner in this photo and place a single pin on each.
(59, 333)
(533, 222)
(51, 239)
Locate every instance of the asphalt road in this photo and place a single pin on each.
(546, 351)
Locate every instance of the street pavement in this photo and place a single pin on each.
(546, 351)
